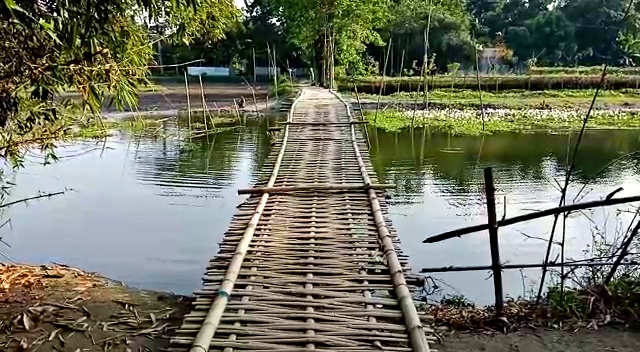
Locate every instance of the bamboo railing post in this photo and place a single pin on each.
(496, 266)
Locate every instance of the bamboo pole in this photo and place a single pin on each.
(496, 265)
(405, 300)
(203, 340)
(531, 216)
(253, 94)
(426, 56)
(448, 269)
(255, 74)
(384, 72)
(479, 87)
(204, 106)
(235, 106)
(315, 187)
(186, 84)
(623, 253)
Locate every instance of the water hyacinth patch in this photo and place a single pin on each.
(470, 121)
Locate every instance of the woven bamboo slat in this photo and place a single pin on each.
(310, 268)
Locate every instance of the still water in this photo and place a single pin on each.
(150, 211)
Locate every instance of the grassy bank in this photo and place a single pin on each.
(513, 99)
(489, 83)
(470, 122)
(584, 70)
(101, 129)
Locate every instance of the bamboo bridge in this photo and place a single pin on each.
(310, 262)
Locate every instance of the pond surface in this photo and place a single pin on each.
(146, 211)
(440, 188)
(150, 211)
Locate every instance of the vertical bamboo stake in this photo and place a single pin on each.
(490, 192)
(623, 253)
(401, 71)
(366, 131)
(415, 106)
(384, 71)
(275, 72)
(186, 83)
(426, 56)
(332, 71)
(255, 101)
(204, 106)
(160, 57)
(255, 74)
(235, 105)
(479, 87)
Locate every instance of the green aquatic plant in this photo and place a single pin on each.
(469, 122)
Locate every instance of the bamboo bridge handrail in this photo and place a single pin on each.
(405, 300)
(203, 339)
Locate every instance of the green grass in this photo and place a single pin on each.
(489, 82)
(469, 122)
(584, 70)
(106, 128)
(514, 99)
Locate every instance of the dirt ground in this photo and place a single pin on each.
(537, 340)
(172, 96)
(56, 308)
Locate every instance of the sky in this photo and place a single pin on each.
(239, 3)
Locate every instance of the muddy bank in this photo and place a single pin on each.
(57, 308)
(171, 96)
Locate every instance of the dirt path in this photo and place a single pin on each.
(606, 339)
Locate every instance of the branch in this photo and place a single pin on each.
(531, 216)
(24, 200)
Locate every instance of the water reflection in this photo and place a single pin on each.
(439, 180)
(151, 210)
(148, 211)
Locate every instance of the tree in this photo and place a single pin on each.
(447, 23)
(100, 48)
(329, 31)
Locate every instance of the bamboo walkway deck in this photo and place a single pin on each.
(318, 269)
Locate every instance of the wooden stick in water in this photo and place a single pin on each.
(186, 83)
(204, 106)
(235, 105)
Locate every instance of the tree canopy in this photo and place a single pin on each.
(99, 48)
(103, 48)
